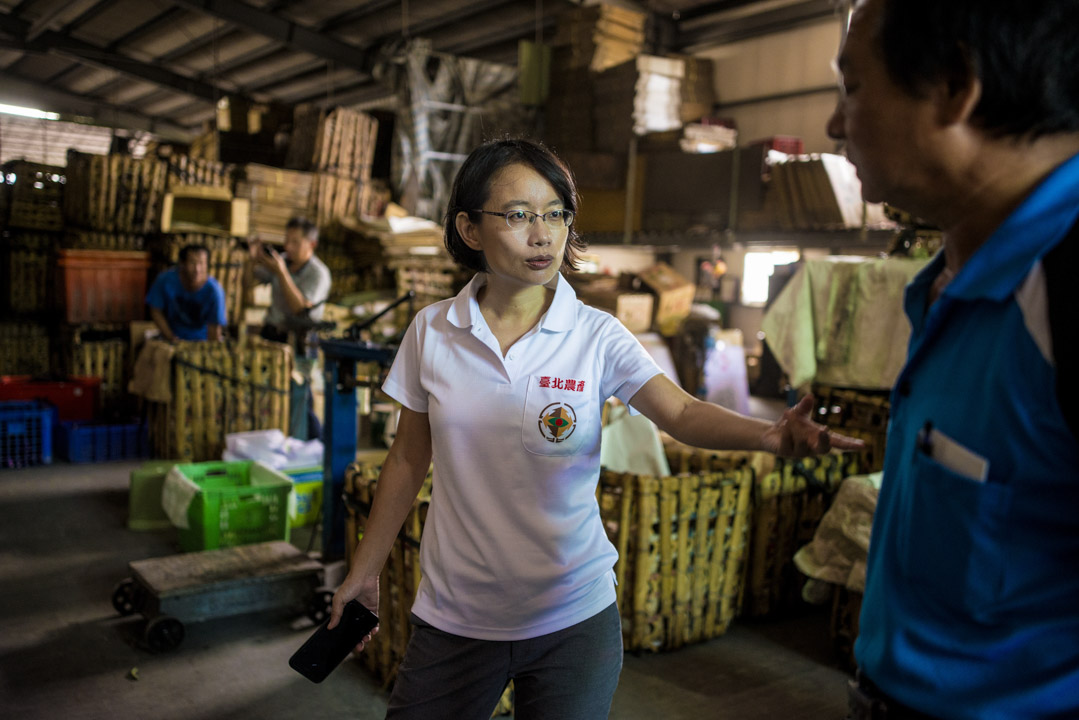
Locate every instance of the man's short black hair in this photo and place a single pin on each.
(1024, 52)
(308, 228)
(472, 188)
(186, 250)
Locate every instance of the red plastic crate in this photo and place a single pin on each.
(75, 399)
(103, 285)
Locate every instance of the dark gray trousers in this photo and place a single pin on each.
(566, 675)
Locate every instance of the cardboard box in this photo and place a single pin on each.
(673, 296)
(205, 209)
(634, 310)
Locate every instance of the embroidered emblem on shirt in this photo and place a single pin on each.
(557, 422)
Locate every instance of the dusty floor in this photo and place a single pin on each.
(66, 653)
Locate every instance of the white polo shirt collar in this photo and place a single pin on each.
(561, 316)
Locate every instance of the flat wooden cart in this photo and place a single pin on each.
(190, 587)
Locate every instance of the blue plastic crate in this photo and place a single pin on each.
(84, 443)
(25, 434)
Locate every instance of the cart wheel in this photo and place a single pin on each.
(320, 605)
(127, 597)
(163, 633)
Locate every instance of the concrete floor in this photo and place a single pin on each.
(66, 653)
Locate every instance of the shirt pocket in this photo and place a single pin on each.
(557, 420)
(955, 537)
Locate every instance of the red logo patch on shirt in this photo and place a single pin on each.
(546, 381)
(557, 422)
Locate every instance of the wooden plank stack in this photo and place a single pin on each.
(334, 197)
(341, 142)
(600, 36)
(113, 193)
(34, 195)
(276, 196)
(221, 388)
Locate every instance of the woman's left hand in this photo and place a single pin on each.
(796, 435)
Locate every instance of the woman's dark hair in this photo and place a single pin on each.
(1024, 53)
(472, 189)
(186, 250)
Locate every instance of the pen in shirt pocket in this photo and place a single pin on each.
(951, 454)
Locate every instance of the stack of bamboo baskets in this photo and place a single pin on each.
(860, 414)
(100, 351)
(113, 193)
(682, 546)
(24, 348)
(33, 196)
(25, 273)
(789, 503)
(185, 170)
(218, 389)
(77, 239)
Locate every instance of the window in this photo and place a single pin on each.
(758, 270)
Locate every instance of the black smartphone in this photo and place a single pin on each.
(325, 650)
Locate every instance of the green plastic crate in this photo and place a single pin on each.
(238, 503)
(144, 511)
(306, 497)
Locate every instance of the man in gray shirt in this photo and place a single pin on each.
(300, 284)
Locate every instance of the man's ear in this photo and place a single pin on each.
(957, 97)
(467, 230)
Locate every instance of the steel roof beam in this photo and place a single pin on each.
(84, 52)
(277, 28)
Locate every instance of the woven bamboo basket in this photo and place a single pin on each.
(789, 503)
(26, 275)
(34, 197)
(113, 193)
(217, 389)
(400, 577)
(101, 352)
(682, 546)
(24, 348)
(860, 414)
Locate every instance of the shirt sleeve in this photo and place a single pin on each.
(627, 365)
(157, 296)
(316, 286)
(220, 318)
(404, 382)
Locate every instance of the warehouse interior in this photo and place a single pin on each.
(725, 230)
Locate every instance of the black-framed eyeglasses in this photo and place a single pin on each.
(520, 219)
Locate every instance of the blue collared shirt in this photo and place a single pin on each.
(971, 607)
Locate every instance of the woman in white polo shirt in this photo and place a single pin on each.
(503, 388)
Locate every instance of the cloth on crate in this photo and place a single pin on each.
(841, 322)
(152, 375)
(631, 444)
(838, 551)
(176, 496)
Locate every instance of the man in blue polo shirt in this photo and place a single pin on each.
(966, 113)
(185, 302)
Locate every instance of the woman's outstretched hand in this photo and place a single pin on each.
(796, 435)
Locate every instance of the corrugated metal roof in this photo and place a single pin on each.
(164, 63)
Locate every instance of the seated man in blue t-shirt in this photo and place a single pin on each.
(185, 302)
